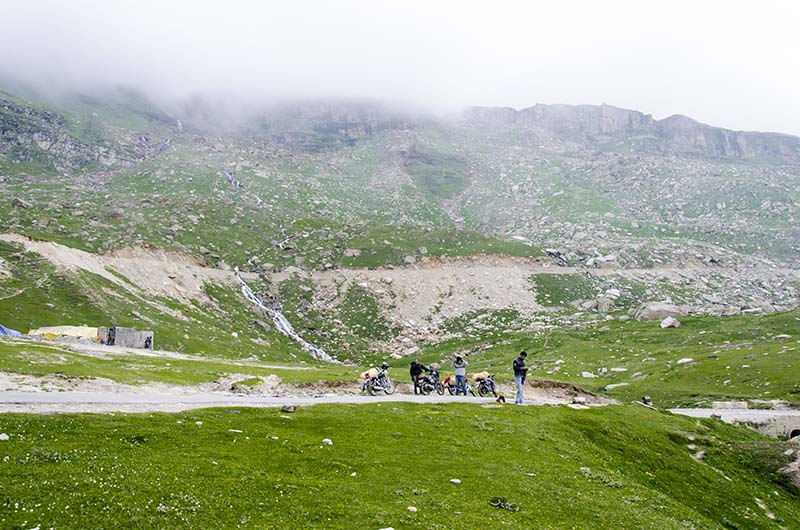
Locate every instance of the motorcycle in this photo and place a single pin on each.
(429, 383)
(450, 386)
(486, 387)
(380, 383)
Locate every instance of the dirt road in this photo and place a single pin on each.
(769, 422)
(67, 402)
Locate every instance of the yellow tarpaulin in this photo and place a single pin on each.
(54, 332)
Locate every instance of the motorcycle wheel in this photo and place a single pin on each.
(482, 390)
(440, 389)
(372, 390)
(450, 389)
(425, 388)
(388, 386)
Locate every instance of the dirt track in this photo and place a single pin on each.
(71, 402)
(769, 422)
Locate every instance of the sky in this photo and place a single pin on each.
(728, 63)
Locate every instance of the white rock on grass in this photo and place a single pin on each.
(616, 385)
(588, 375)
(412, 509)
(455, 481)
(3, 437)
(670, 322)
(327, 441)
(684, 360)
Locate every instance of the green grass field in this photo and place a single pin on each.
(732, 358)
(42, 359)
(605, 468)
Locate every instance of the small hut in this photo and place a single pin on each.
(126, 337)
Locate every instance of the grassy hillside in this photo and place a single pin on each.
(608, 468)
(35, 294)
(107, 170)
(731, 357)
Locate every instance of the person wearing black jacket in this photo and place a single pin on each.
(416, 370)
(520, 370)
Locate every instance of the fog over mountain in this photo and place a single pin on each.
(730, 64)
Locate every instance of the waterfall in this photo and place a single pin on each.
(282, 324)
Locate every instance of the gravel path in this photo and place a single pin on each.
(770, 422)
(59, 402)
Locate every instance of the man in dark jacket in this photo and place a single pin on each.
(416, 370)
(520, 370)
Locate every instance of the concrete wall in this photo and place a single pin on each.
(127, 337)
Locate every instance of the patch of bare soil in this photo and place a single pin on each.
(58, 382)
(150, 270)
(4, 270)
(436, 289)
(542, 389)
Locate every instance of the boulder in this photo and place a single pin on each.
(670, 322)
(21, 203)
(658, 311)
(604, 305)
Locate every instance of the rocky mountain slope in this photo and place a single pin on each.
(607, 127)
(307, 194)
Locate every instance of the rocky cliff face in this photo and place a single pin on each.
(588, 126)
(48, 140)
(685, 135)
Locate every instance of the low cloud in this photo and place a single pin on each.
(731, 63)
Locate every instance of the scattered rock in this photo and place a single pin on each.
(670, 322)
(21, 203)
(3, 437)
(658, 311)
(604, 305)
(455, 481)
(327, 441)
(729, 405)
(684, 360)
(289, 408)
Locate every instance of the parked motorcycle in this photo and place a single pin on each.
(486, 387)
(429, 383)
(450, 386)
(380, 383)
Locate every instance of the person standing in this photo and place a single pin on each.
(460, 366)
(416, 370)
(520, 371)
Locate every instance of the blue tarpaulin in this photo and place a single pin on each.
(9, 332)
